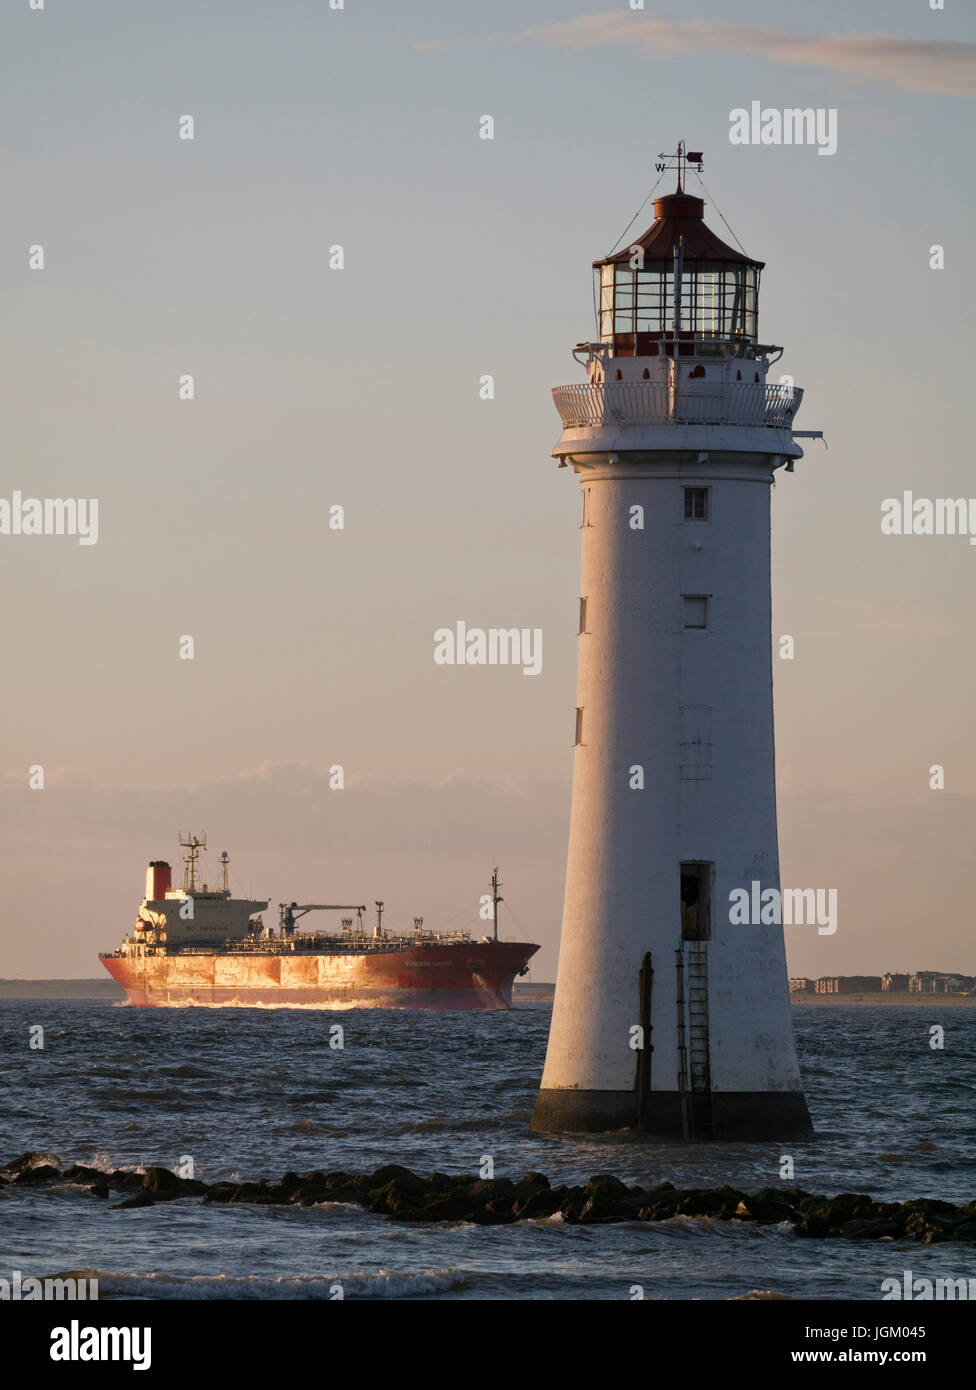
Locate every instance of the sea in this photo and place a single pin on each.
(250, 1094)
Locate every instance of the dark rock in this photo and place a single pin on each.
(291, 1182)
(258, 1192)
(809, 1203)
(123, 1181)
(607, 1185)
(439, 1182)
(396, 1198)
(490, 1189)
(608, 1199)
(33, 1158)
(343, 1182)
(871, 1230)
(448, 1206)
(142, 1200)
(536, 1179)
(930, 1206)
(315, 1187)
(572, 1204)
(79, 1173)
(531, 1201)
(99, 1189)
(929, 1228)
(501, 1208)
(220, 1192)
(662, 1203)
(161, 1182)
(43, 1173)
(392, 1172)
(850, 1206)
(768, 1206)
(720, 1202)
(313, 1194)
(812, 1226)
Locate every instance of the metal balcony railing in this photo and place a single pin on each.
(691, 402)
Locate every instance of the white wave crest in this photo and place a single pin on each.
(383, 1283)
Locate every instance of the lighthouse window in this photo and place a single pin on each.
(695, 610)
(582, 625)
(579, 726)
(696, 504)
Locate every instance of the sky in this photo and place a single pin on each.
(316, 387)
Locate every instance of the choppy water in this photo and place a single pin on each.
(253, 1093)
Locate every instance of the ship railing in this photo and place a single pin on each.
(592, 404)
(305, 944)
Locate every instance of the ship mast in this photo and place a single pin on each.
(224, 862)
(194, 845)
(495, 900)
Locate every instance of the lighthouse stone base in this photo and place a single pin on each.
(735, 1115)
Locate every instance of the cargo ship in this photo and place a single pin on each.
(201, 946)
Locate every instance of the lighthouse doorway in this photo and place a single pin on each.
(696, 900)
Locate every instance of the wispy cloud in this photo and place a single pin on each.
(917, 65)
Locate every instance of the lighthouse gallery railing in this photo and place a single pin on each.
(644, 402)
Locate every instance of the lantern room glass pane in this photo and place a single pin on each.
(718, 299)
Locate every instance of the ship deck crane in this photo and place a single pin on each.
(289, 913)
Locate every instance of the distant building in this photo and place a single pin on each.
(939, 982)
(801, 985)
(849, 984)
(895, 983)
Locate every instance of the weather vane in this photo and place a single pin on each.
(680, 160)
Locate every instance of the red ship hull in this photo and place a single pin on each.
(469, 975)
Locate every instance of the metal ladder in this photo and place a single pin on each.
(699, 1065)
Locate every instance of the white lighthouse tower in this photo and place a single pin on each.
(668, 1017)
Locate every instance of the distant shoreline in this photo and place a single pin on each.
(890, 997)
(61, 989)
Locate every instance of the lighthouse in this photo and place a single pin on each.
(672, 1013)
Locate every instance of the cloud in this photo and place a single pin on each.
(915, 65)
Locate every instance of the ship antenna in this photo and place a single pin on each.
(224, 861)
(495, 900)
(194, 845)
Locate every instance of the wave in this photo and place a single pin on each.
(383, 1283)
(466, 1122)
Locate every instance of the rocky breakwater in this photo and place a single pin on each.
(396, 1192)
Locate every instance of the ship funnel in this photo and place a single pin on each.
(159, 880)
